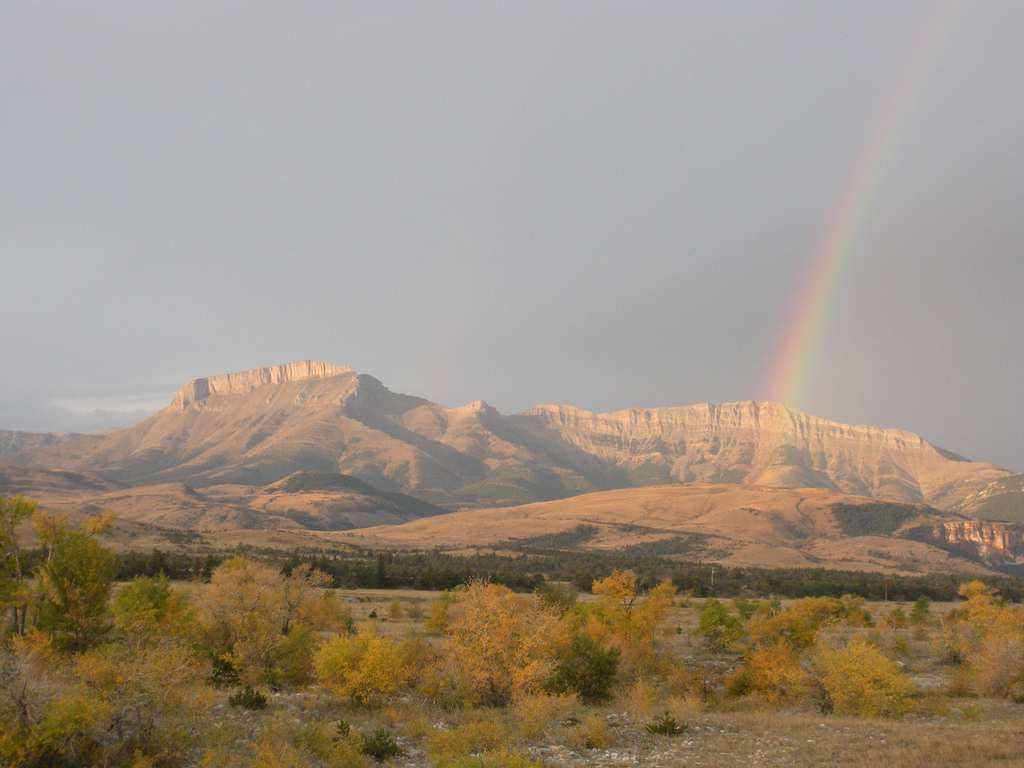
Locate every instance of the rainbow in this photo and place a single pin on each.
(793, 361)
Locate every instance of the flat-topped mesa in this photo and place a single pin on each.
(243, 382)
(744, 415)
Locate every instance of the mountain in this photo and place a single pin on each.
(997, 500)
(300, 501)
(256, 427)
(735, 525)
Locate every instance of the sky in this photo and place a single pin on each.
(609, 204)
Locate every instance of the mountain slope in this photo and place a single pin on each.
(300, 501)
(256, 427)
(730, 524)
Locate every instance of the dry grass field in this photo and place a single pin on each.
(267, 663)
(942, 729)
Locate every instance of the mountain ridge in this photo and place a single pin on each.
(258, 426)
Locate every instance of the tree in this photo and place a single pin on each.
(585, 668)
(148, 608)
(719, 628)
(263, 623)
(437, 621)
(860, 680)
(800, 622)
(623, 618)
(921, 612)
(363, 668)
(13, 592)
(502, 643)
(74, 583)
(299, 589)
(772, 672)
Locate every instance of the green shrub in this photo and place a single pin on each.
(380, 745)
(248, 698)
(665, 725)
(921, 611)
(585, 668)
(224, 674)
(560, 597)
(719, 628)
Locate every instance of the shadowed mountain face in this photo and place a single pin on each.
(256, 427)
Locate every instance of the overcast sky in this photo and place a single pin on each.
(607, 204)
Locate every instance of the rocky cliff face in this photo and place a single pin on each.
(992, 542)
(765, 444)
(257, 426)
(198, 390)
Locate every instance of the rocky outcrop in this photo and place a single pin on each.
(198, 390)
(991, 542)
(764, 444)
(257, 426)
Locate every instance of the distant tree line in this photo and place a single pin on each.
(528, 569)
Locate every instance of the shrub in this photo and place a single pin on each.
(745, 608)
(446, 748)
(248, 698)
(627, 620)
(444, 685)
(534, 713)
(799, 624)
(897, 618)
(737, 682)
(585, 668)
(921, 612)
(594, 733)
(223, 673)
(437, 621)
(380, 745)
(996, 668)
(719, 628)
(773, 673)
(861, 680)
(293, 657)
(502, 644)
(363, 668)
(665, 725)
(558, 597)
(641, 698)
(148, 606)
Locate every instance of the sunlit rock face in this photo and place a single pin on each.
(260, 425)
(244, 382)
(991, 540)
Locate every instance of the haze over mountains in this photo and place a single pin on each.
(314, 447)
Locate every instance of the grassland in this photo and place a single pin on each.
(943, 728)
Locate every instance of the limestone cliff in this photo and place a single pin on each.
(763, 444)
(257, 426)
(992, 542)
(244, 382)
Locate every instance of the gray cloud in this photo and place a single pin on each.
(602, 203)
